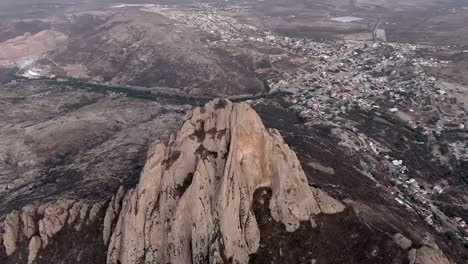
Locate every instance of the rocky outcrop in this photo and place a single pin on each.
(36, 229)
(402, 241)
(11, 233)
(112, 212)
(429, 253)
(34, 246)
(194, 199)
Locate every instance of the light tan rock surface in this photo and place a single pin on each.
(34, 246)
(21, 48)
(193, 201)
(402, 241)
(11, 227)
(28, 216)
(429, 253)
(39, 225)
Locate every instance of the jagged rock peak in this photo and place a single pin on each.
(193, 203)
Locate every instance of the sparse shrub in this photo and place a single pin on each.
(451, 235)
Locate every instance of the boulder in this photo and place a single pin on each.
(403, 242)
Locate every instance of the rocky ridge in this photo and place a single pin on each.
(38, 230)
(193, 204)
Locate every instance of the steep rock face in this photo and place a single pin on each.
(194, 199)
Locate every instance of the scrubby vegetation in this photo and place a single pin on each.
(164, 97)
(135, 93)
